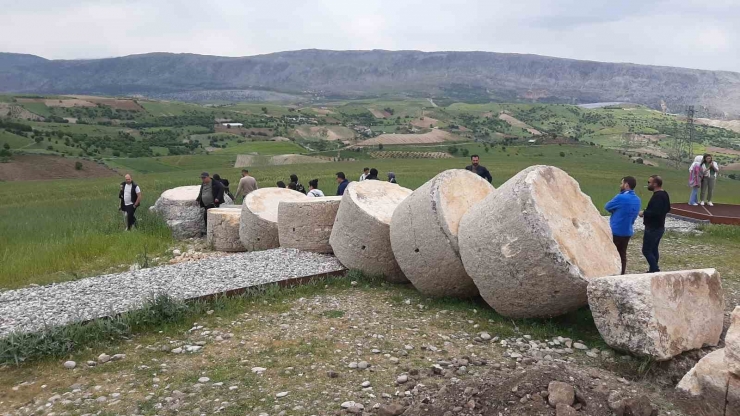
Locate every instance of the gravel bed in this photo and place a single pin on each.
(671, 224)
(35, 308)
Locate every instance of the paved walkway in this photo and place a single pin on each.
(35, 308)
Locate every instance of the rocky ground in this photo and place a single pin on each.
(372, 348)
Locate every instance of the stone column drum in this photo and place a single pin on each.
(361, 235)
(424, 232)
(306, 224)
(223, 229)
(181, 212)
(532, 245)
(258, 229)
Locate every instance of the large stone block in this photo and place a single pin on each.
(258, 229)
(732, 343)
(182, 213)
(306, 224)
(661, 314)
(361, 235)
(531, 245)
(424, 230)
(223, 229)
(716, 391)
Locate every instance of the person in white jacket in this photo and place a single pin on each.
(709, 169)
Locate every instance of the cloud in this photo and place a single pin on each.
(688, 33)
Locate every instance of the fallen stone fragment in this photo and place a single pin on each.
(182, 213)
(393, 409)
(711, 385)
(282, 393)
(560, 393)
(223, 229)
(70, 365)
(661, 314)
(424, 231)
(306, 224)
(360, 237)
(103, 358)
(536, 240)
(565, 410)
(258, 229)
(732, 343)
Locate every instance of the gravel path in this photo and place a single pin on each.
(35, 308)
(671, 224)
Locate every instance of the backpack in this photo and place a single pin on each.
(300, 188)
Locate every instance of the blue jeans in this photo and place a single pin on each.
(694, 196)
(650, 243)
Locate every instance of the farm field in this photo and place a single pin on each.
(81, 233)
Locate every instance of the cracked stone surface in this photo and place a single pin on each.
(307, 224)
(181, 212)
(531, 246)
(223, 229)
(424, 231)
(361, 235)
(258, 229)
(660, 314)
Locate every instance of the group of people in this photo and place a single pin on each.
(625, 208)
(702, 176)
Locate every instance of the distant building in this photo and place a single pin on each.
(532, 141)
(232, 124)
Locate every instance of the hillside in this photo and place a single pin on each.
(461, 76)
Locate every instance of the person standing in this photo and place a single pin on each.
(313, 190)
(343, 182)
(695, 176)
(475, 167)
(365, 172)
(280, 184)
(624, 209)
(298, 186)
(130, 196)
(373, 176)
(225, 183)
(211, 195)
(654, 220)
(247, 184)
(392, 177)
(709, 168)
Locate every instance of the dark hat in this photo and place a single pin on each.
(204, 175)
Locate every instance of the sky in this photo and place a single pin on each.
(686, 33)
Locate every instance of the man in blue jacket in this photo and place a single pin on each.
(624, 209)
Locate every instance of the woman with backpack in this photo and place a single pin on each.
(313, 190)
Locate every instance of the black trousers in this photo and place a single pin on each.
(622, 243)
(650, 243)
(130, 218)
(205, 214)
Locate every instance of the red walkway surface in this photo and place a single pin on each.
(718, 214)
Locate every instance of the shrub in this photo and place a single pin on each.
(639, 161)
(562, 154)
(6, 146)
(78, 165)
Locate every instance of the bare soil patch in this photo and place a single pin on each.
(434, 136)
(732, 166)
(42, 167)
(410, 155)
(425, 122)
(64, 102)
(330, 133)
(257, 160)
(379, 113)
(712, 149)
(517, 123)
(16, 111)
(733, 125)
(115, 103)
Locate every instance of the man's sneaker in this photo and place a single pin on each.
(693, 204)
(701, 203)
(710, 204)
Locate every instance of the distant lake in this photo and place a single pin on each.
(599, 105)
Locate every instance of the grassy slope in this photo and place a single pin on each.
(80, 233)
(15, 141)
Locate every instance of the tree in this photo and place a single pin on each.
(6, 146)
(465, 152)
(78, 165)
(380, 146)
(562, 154)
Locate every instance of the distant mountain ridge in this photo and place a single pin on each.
(464, 76)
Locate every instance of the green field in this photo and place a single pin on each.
(80, 233)
(262, 148)
(13, 140)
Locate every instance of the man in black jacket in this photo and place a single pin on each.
(211, 195)
(130, 196)
(654, 220)
(476, 168)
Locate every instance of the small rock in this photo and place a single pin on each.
(348, 404)
(353, 365)
(592, 354)
(332, 374)
(281, 394)
(560, 392)
(362, 365)
(565, 410)
(117, 357)
(393, 409)
(70, 365)
(103, 358)
(485, 336)
(177, 350)
(365, 384)
(393, 360)
(579, 346)
(258, 370)
(204, 380)
(176, 252)
(402, 379)
(639, 406)
(92, 363)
